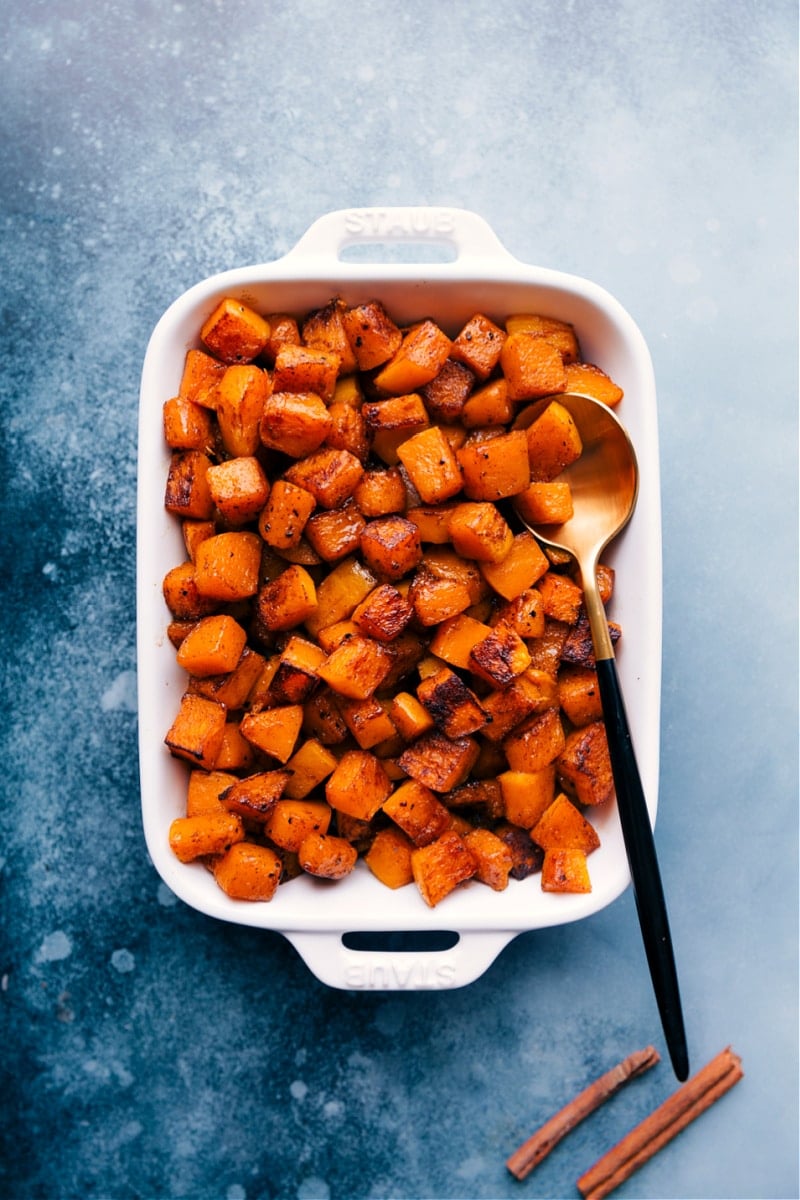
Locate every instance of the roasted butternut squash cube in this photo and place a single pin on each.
(447, 393)
(368, 721)
(524, 614)
(294, 423)
(579, 695)
(226, 566)
(381, 491)
(563, 827)
(234, 687)
(455, 709)
(546, 650)
(584, 765)
(235, 752)
(420, 356)
(274, 731)
(478, 794)
(296, 675)
(283, 330)
(565, 871)
(441, 866)
(197, 730)
(239, 489)
(562, 598)
(478, 345)
(391, 422)
(383, 614)
(206, 834)
(187, 492)
(508, 707)
(389, 858)
(303, 369)
(283, 518)
(495, 468)
(307, 768)
(287, 601)
(201, 377)
(372, 333)
(204, 791)
(500, 657)
(479, 531)
(559, 334)
(409, 717)
(432, 521)
(331, 476)
(195, 532)
(335, 533)
(355, 668)
(527, 857)
(454, 638)
(324, 329)
(492, 856)
(358, 786)
(434, 598)
(578, 644)
(418, 812)
(488, 407)
(524, 564)
(327, 856)
(391, 546)
(546, 503)
(248, 872)
(213, 646)
(234, 332)
(348, 430)
(532, 366)
(241, 395)
(339, 594)
(322, 718)
(432, 465)
(526, 794)
(187, 426)
(588, 380)
(290, 821)
(536, 743)
(441, 763)
(252, 798)
(553, 442)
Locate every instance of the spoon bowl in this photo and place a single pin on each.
(604, 482)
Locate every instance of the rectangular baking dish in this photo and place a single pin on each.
(344, 254)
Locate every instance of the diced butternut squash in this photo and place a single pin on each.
(562, 826)
(283, 519)
(589, 380)
(524, 614)
(373, 335)
(431, 464)
(536, 743)
(226, 566)
(553, 442)
(348, 430)
(584, 765)
(239, 489)
(508, 707)
(380, 491)
(330, 475)
(479, 531)
(435, 598)
(307, 768)
(409, 717)
(418, 812)
(274, 731)
(389, 858)
(290, 821)
(421, 356)
(441, 866)
(433, 522)
(492, 856)
(234, 333)
(295, 423)
(196, 732)
(524, 564)
(334, 533)
(187, 426)
(358, 786)
(368, 721)
(579, 695)
(446, 395)
(324, 329)
(439, 762)
(499, 657)
(355, 668)
(248, 872)
(213, 646)
(296, 675)
(287, 601)
(204, 835)
(559, 334)
(327, 856)
(187, 492)
(545, 503)
(489, 406)
(200, 379)
(565, 871)
(253, 798)
(532, 366)
(204, 791)
(454, 639)
(235, 752)
(391, 546)
(527, 794)
(383, 614)
(455, 709)
(562, 598)
(393, 421)
(241, 395)
(478, 345)
(283, 330)
(303, 369)
(339, 594)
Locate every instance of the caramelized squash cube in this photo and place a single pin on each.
(307, 768)
(508, 707)
(213, 646)
(559, 334)
(358, 786)
(493, 857)
(248, 872)
(187, 492)
(579, 695)
(524, 614)
(391, 422)
(500, 657)
(373, 335)
(331, 476)
(322, 718)
(241, 395)
(565, 871)
(536, 743)
(226, 566)
(235, 752)
(553, 442)
(434, 598)
(290, 821)
(355, 668)
(327, 856)
(495, 468)
(584, 765)
(479, 531)
(562, 598)
(274, 731)
(578, 645)
(418, 812)
(239, 489)
(588, 380)
(187, 426)
(339, 594)
(204, 791)
(381, 491)
(368, 721)
(348, 430)
(383, 614)
(283, 331)
(204, 835)
(563, 827)
(234, 333)
(196, 732)
(294, 423)
(545, 503)
(455, 709)
(527, 794)
(232, 689)
(421, 356)
(336, 532)
(284, 517)
(389, 858)
(324, 329)
(409, 717)
(433, 522)
(303, 369)
(287, 601)
(454, 639)
(532, 366)
(441, 866)
(447, 393)
(439, 762)
(524, 564)
(431, 465)
(200, 379)
(296, 675)
(252, 798)
(527, 857)
(478, 345)
(391, 546)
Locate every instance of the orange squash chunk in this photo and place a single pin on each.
(239, 489)
(454, 638)
(455, 709)
(478, 345)
(418, 812)
(274, 731)
(563, 827)
(226, 566)
(523, 565)
(492, 856)
(536, 743)
(335, 533)
(248, 872)
(589, 380)
(560, 334)
(324, 329)
(213, 646)
(205, 834)
(391, 546)
(327, 856)
(284, 517)
(197, 730)
(234, 332)
(553, 442)
(295, 423)
(355, 668)
(527, 794)
(562, 598)
(565, 871)
(290, 821)
(330, 475)
(441, 866)
(253, 798)
(439, 762)
(479, 531)
(288, 600)
(432, 465)
(381, 491)
(187, 493)
(532, 366)
(241, 395)
(584, 765)
(421, 356)
(545, 503)
(579, 695)
(201, 377)
(447, 393)
(392, 421)
(359, 785)
(409, 717)
(303, 369)
(389, 858)
(373, 335)
(187, 426)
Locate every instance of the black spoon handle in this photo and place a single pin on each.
(645, 876)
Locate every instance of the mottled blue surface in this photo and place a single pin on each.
(150, 1052)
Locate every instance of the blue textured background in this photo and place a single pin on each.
(149, 1052)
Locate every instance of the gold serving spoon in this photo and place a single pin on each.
(604, 482)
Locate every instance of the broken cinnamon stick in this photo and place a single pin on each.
(539, 1145)
(663, 1124)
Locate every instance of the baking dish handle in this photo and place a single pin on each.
(339, 966)
(465, 233)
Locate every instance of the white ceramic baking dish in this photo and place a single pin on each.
(349, 254)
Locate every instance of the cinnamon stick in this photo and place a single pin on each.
(664, 1123)
(539, 1145)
